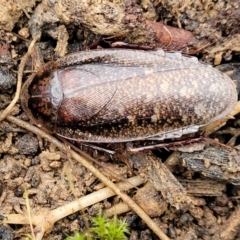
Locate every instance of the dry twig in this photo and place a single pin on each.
(19, 82)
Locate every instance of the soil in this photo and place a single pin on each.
(209, 204)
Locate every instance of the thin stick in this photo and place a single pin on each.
(19, 82)
(151, 224)
(29, 213)
(170, 42)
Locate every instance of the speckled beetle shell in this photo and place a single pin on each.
(121, 95)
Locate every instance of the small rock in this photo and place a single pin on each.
(28, 144)
(150, 200)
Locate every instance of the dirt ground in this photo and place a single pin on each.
(201, 200)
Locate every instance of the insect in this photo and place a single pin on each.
(122, 95)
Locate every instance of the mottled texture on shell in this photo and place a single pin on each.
(125, 95)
